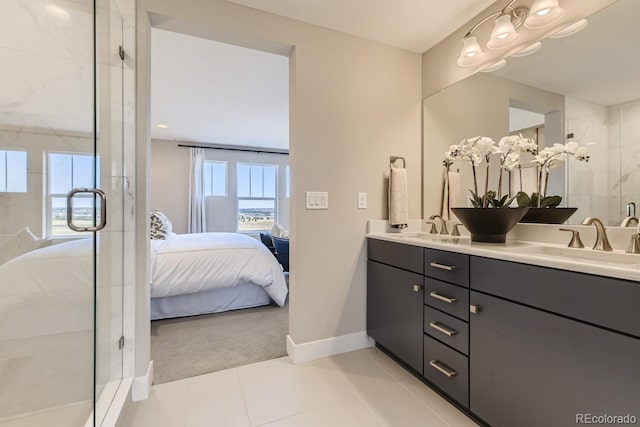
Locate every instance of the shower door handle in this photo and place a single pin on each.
(103, 209)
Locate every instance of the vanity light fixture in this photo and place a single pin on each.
(505, 26)
(528, 50)
(494, 67)
(569, 30)
(162, 126)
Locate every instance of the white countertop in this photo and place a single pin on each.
(611, 264)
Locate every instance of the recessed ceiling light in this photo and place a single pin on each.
(570, 29)
(528, 50)
(57, 12)
(162, 126)
(495, 66)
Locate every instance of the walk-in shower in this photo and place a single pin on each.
(66, 166)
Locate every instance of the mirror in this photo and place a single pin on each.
(583, 88)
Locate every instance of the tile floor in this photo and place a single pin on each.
(361, 388)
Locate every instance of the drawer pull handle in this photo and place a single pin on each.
(442, 266)
(417, 288)
(442, 298)
(474, 309)
(442, 368)
(440, 328)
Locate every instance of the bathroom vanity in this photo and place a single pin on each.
(515, 334)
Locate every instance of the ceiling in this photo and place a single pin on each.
(216, 93)
(415, 25)
(210, 92)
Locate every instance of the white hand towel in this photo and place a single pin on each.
(398, 198)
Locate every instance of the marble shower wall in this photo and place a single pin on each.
(611, 179)
(624, 126)
(587, 182)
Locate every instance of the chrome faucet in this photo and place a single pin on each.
(630, 220)
(602, 242)
(443, 224)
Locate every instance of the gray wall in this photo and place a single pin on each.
(353, 103)
(170, 171)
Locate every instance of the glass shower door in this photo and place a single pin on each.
(63, 126)
(47, 148)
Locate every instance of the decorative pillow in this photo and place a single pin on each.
(22, 242)
(279, 231)
(161, 227)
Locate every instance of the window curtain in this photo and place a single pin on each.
(197, 213)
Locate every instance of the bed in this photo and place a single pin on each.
(212, 272)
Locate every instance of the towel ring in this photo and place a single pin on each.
(392, 160)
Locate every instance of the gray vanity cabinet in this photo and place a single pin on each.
(395, 299)
(532, 367)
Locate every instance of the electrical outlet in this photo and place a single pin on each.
(362, 200)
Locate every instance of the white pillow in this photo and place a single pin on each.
(22, 242)
(279, 231)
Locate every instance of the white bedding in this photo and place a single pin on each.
(50, 290)
(193, 263)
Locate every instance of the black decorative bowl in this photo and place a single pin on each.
(489, 225)
(548, 215)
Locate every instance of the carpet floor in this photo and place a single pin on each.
(190, 346)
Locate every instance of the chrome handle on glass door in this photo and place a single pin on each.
(103, 209)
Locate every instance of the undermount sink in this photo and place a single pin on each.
(427, 236)
(582, 255)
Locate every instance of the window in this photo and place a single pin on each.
(13, 171)
(215, 178)
(256, 196)
(66, 172)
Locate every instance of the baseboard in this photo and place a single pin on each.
(300, 353)
(142, 385)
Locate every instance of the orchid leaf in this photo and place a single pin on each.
(523, 199)
(551, 201)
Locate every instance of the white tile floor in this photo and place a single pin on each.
(362, 388)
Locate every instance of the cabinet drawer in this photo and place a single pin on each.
(398, 255)
(451, 331)
(603, 301)
(440, 360)
(448, 266)
(446, 297)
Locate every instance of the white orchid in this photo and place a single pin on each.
(510, 149)
(554, 156)
(510, 161)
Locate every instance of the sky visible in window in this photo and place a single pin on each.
(69, 171)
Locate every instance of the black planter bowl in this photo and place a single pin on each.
(489, 225)
(548, 215)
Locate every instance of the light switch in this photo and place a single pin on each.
(362, 200)
(317, 200)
